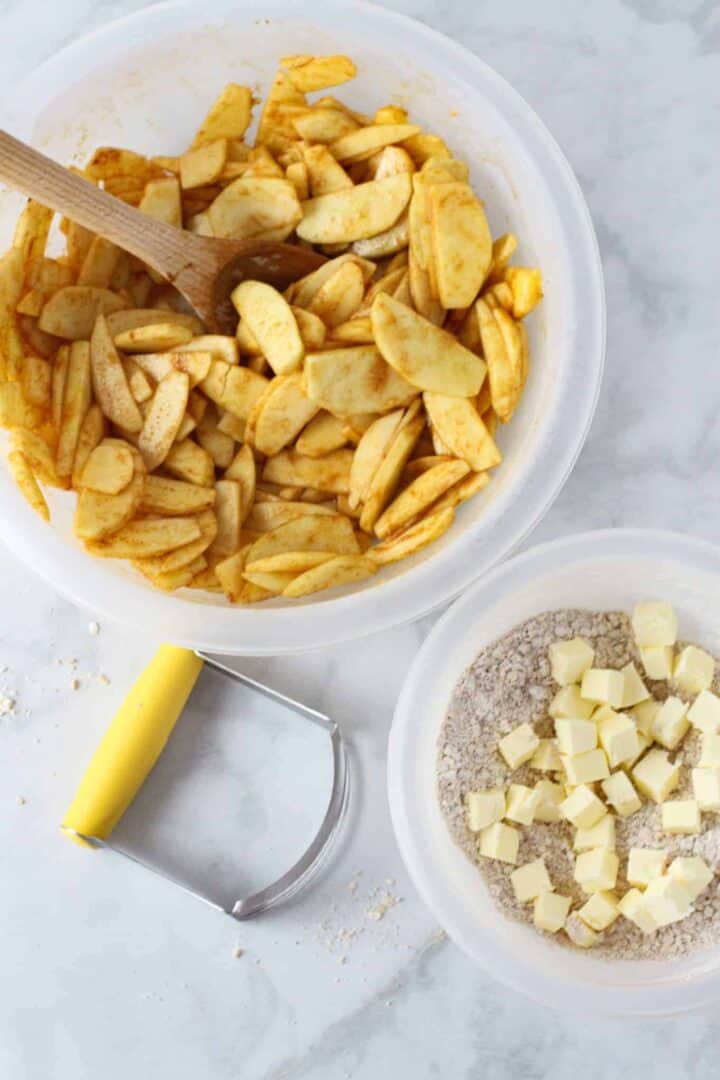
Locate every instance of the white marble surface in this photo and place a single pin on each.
(107, 972)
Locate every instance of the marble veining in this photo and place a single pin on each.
(108, 972)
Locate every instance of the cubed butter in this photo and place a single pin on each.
(635, 689)
(530, 880)
(596, 870)
(654, 623)
(600, 911)
(671, 723)
(547, 756)
(621, 794)
(569, 702)
(583, 808)
(704, 713)
(569, 660)
(693, 872)
(643, 743)
(500, 841)
(519, 745)
(585, 768)
(484, 808)
(632, 906)
(656, 776)
(706, 788)
(550, 911)
(522, 802)
(618, 737)
(601, 835)
(551, 795)
(575, 736)
(680, 817)
(709, 750)
(579, 932)
(644, 865)
(694, 670)
(667, 900)
(644, 716)
(604, 686)
(658, 661)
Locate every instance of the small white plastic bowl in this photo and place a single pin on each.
(145, 82)
(599, 571)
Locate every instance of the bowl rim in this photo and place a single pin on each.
(574, 995)
(435, 580)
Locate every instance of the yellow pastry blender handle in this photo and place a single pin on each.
(132, 744)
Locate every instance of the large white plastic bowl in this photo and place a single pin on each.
(145, 82)
(600, 571)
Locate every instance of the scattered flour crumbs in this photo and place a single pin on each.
(509, 683)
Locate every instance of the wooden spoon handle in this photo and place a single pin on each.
(164, 248)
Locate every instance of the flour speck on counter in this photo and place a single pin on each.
(7, 705)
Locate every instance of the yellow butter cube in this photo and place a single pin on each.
(579, 932)
(500, 841)
(632, 906)
(550, 911)
(656, 776)
(658, 661)
(603, 713)
(694, 670)
(709, 750)
(575, 736)
(635, 689)
(704, 713)
(601, 835)
(547, 757)
(654, 623)
(585, 768)
(621, 794)
(569, 660)
(667, 900)
(645, 864)
(596, 870)
(522, 802)
(569, 702)
(642, 745)
(600, 911)
(530, 880)
(604, 686)
(671, 723)
(644, 716)
(484, 808)
(693, 872)
(519, 745)
(550, 797)
(706, 788)
(618, 737)
(681, 817)
(583, 808)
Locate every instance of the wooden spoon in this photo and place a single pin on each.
(203, 269)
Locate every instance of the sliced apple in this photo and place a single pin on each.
(413, 539)
(462, 430)
(461, 242)
(356, 213)
(110, 382)
(425, 355)
(270, 320)
(419, 495)
(355, 380)
(286, 411)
